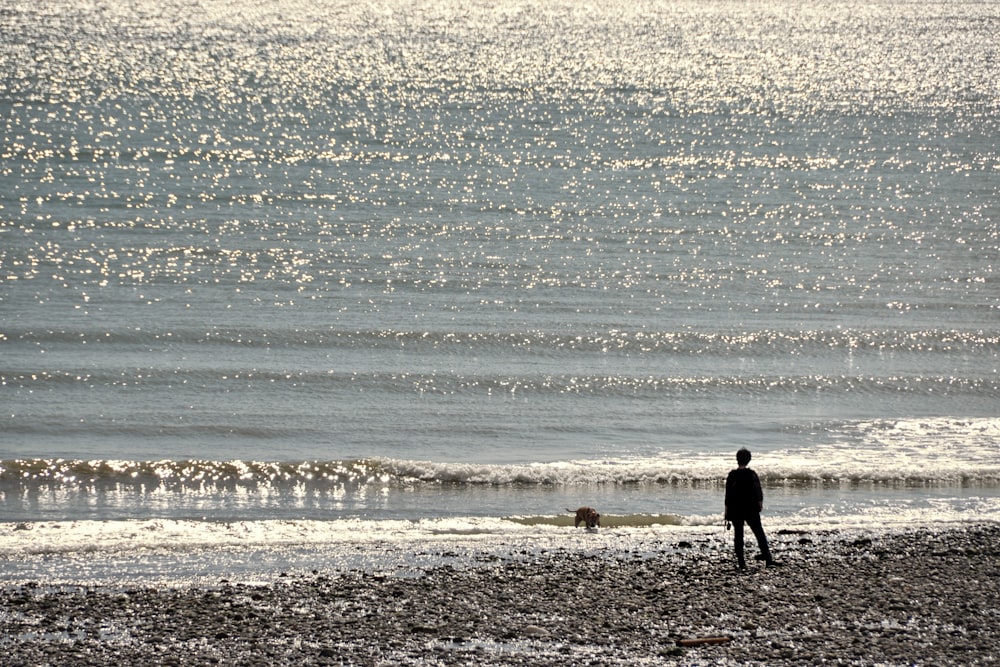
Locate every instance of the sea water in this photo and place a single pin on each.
(283, 276)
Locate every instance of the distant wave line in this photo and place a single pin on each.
(455, 382)
(757, 343)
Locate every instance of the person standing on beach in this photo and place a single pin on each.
(744, 501)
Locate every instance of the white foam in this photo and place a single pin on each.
(54, 537)
(184, 552)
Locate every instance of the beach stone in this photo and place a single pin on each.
(423, 628)
(535, 632)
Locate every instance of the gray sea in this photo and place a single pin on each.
(322, 271)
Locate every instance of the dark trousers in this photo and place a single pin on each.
(752, 520)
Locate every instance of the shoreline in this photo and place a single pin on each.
(920, 596)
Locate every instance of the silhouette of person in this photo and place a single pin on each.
(744, 501)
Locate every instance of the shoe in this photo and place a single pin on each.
(773, 563)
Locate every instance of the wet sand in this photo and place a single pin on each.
(903, 598)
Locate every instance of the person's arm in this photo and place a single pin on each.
(729, 491)
(760, 492)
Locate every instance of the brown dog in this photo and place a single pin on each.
(587, 516)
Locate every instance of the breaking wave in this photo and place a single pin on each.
(21, 476)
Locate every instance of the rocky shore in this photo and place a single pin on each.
(910, 598)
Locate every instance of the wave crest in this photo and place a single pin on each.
(27, 475)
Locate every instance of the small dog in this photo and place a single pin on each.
(587, 516)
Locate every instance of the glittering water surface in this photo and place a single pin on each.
(282, 259)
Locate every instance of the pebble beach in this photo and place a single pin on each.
(914, 597)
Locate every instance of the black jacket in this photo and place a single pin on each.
(743, 493)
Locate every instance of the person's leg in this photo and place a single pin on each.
(758, 532)
(738, 542)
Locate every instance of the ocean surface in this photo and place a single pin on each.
(286, 284)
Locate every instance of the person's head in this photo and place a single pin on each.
(743, 456)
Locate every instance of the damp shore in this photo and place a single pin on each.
(895, 598)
